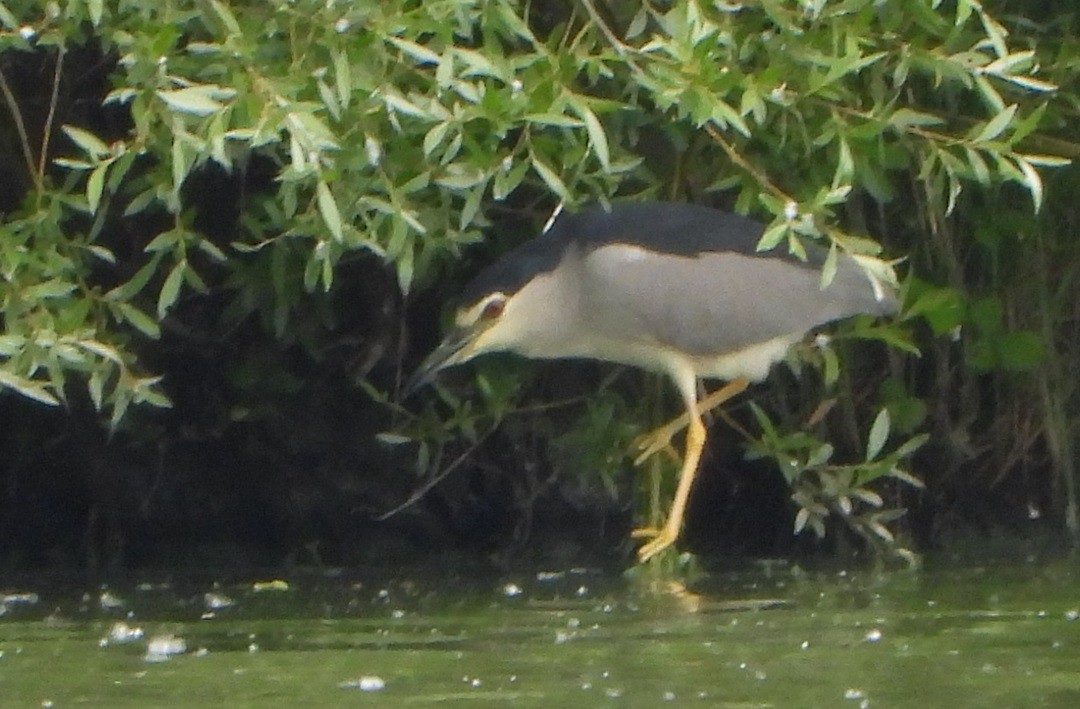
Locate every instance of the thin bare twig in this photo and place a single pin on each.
(438, 478)
(47, 133)
(20, 127)
(617, 44)
(739, 160)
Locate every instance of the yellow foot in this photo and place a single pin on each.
(659, 439)
(661, 539)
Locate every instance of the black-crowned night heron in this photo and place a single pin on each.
(674, 288)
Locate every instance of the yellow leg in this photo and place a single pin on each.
(666, 535)
(682, 373)
(660, 439)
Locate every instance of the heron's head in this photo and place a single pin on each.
(478, 328)
(512, 305)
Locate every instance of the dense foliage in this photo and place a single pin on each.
(212, 181)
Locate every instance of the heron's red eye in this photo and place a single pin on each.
(493, 309)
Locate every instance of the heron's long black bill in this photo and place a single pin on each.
(447, 354)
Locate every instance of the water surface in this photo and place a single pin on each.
(768, 636)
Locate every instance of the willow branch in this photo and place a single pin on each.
(20, 127)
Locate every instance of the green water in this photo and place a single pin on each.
(769, 636)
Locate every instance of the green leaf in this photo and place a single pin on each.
(419, 52)
(1020, 351)
(477, 64)
(95, 385)
(232, 27)
(943, 308)
(906, 412)
(597, 137)
(7, 18)
(329, 210)
(28, 388)
(125, 291)
(773, 235)
(989, 93)
(329, 99)
(138, 319)
(73, 164)
(996, 125)
(1032, 181)
(170, 290)
(102, 350)
(10, 345)
(978, 166)
(342, 77)
(828, 269)
(554, 119)
(196, 100)
(52, 288)
(310, 131)
(1030, 83)
(90, 144)
(907, 118)
(444, 74)
(551, 179)
(506, 181)
(1045, 160)
(724, 115)
(460, 177)
(879, 433)
(165, 241)
(995, 32)
(1003, 65)
(95, 185)
(472, 206)
(120, 401)
(986, 315)
(435, 136)
(820, 456)
(910, 446)
(396, 102)
(831, 366)
(405, 270)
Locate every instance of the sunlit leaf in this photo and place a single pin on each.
(225, 15)
(170, 290)
(329, 210)
(1003, 65)
(906, 118)
(597, 137)
(94, 187)
(196, 100)
(1032, 181)
(28, 388)
(102, 350)
(90, 143)
(1045, 160)
(1030, 83)
(7, 18)
(342, 77)
(773, 236)
(879, 433)
(551, 179)
(419, 52)
(137, 318)
(996, 125)
(554, 119)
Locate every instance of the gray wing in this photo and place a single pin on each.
(715, 302)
